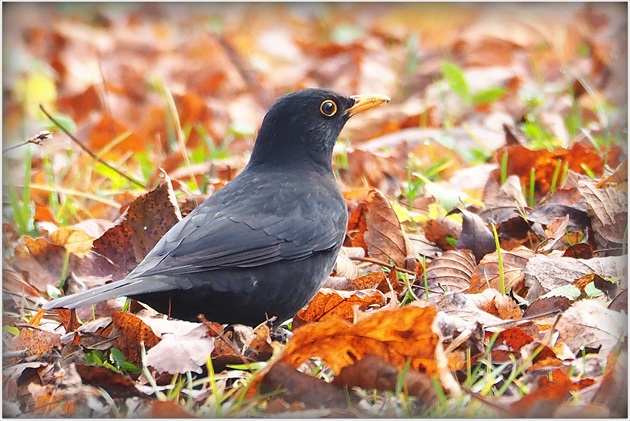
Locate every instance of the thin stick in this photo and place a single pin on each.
(378, 262)
(38, 139)
(89, 152)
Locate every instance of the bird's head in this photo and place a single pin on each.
(303, 126)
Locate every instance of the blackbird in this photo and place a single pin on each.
(263, 244)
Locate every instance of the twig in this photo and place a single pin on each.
(247, 72)
(38, 139)
(387, 265)
(89, 152)
(7, 355)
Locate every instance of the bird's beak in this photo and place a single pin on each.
(365, 102)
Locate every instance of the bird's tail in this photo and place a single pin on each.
(113, 290)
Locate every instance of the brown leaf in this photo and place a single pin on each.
(133, 331)
(372, 372)
(40, 261)
(613, 390)
(588, 324)
(608, 209)
(440, 229)
(146, 220)
(375, 227)
(546, 398)
(504, 202)
(475, 236)
(168, 409)
(116, 384)
(486, 275)
(503, 307)
(103, 132)
(547, 305)
(36, 341)
(299, 387)
(449, 272)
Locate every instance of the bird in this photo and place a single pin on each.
(261, 246)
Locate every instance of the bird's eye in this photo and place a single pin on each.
(328, 108)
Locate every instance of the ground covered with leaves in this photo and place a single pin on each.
(484, 271)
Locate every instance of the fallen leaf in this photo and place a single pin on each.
(328, 304)
(475, 236)
(375, 227)
(146, 220)
(487, 274)
(133, 331)
(395, 335)
(545, 273)
(588, 324)
(294, 386)
(374, 373)
(450, 272)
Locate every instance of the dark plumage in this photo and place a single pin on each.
(262, 245)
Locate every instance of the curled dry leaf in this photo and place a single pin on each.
(344, 266)
(504, 202)
(440, 229)
(486, 275)
(503, 307)
(374, 226)
(299, 387)
(329, 304)
(117, 385)
(475, 236)
(373, 372)
(542, 402)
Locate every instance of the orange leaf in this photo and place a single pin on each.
(394, 335)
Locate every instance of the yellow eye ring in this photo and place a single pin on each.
(328, 108)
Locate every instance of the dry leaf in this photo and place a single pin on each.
(486, 275)
(148, 218)
(395, 335)
(328, 304)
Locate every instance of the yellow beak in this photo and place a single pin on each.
(365, 102)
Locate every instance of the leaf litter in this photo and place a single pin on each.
(500, 119)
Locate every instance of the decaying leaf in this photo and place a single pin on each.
(545, 273)
(299, 387)
(146, 220)
(608, 209)
(133, 331)
(588, 324)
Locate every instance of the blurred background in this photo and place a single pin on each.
(184, 87)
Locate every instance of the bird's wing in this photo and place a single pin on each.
(229, 233)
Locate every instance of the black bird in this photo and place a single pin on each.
(263, 244)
